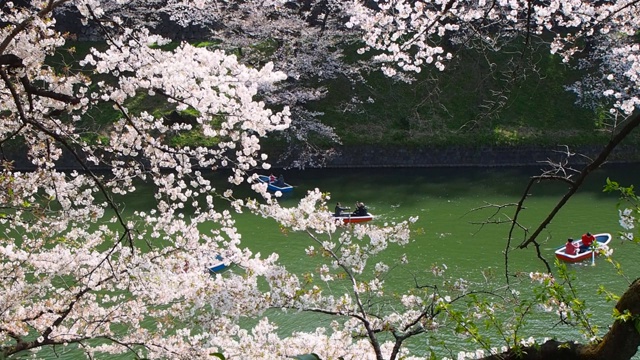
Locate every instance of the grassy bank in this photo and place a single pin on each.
(476, 101)
(470, 103)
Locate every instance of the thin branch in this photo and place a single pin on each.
(577, 183)
(23, 25)
(32, 90)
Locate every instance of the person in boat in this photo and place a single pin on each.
(587, 241)
(361, 210)
(280, 182)
(571, 247)
(272, 178)
(339, 209)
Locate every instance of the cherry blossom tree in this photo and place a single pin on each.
(78, 271)
(83, 275)
(304, 39)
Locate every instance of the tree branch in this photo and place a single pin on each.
(620, 343)
(595, 164)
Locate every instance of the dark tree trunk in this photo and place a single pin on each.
(620, 343)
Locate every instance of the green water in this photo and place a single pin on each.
(449, 232)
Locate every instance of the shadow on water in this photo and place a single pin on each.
(413, 185)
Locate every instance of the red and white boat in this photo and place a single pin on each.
(349, 218)
(601, 240)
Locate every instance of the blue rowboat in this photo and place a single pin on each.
(218, 265)
(274, 186)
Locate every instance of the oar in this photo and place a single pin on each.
(593, 253)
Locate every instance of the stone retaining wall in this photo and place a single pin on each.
(481, 156)
(372, 156)
(460, 156)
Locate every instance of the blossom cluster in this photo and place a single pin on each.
(407, 36)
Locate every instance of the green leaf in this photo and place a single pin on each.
(219, 356)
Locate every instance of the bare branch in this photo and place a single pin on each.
(595, 164)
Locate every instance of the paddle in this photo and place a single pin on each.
(593, 253)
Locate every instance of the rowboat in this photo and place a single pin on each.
(218, 265)
(601, 240)
(274, 186)
(350, 218)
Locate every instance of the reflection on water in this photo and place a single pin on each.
(462, 213)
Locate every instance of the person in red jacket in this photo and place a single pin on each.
(587, 241)
(571, 248)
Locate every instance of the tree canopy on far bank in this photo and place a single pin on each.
(82, 275)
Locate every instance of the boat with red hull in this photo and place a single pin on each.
(352, 219)
(601, 240)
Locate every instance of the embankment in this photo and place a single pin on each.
(487, 156)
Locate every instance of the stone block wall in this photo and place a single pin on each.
(372, 156)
